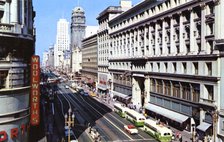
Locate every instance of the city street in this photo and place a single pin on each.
(90, 112)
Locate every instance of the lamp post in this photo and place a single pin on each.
(69, 121)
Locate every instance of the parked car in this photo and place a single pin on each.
(66, 86)
(86, 93)
(131, 129)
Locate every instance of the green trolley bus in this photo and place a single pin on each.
(158, 131)
(136, 118)
(120, 110)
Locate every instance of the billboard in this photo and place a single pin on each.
(35, 91)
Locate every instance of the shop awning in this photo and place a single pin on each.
(167, 113)
(101, 88)
(121, 95)
(203, 126)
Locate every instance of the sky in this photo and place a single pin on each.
(48, 12)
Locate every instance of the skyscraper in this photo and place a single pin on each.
(77, 34)
(62, 42)
(17, 39)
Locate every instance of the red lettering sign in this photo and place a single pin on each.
(14, 133)
(35, 91)
(3, 136)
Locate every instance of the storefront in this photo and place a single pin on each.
(103, 85)
(167, 116)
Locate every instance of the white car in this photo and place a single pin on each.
(66, 86)
(131, 129)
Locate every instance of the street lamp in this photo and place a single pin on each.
(69, 121)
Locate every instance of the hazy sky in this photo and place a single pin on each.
(48, 12)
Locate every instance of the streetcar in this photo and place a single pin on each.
(136, 118)
(157, 130)
(120, 110)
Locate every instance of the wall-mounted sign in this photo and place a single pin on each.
(35, 91)
(13, 133)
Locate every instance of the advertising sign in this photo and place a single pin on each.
(35, 91)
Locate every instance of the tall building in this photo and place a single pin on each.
(62, 44)
(77, 28)
(104, 78)
(45, 59)
(48, 57)
(170, 53)
(17, 45)
(51, 56)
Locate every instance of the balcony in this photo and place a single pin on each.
(176, 25)
(210, 18)
(207, 102)
(6, 28)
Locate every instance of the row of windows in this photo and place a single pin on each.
(182, 90)
(162, 8)
(195, 68)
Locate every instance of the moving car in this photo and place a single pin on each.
(66, 86)
(131, 129)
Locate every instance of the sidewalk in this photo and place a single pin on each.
(186, 136)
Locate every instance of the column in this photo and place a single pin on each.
(149, 42)
(136, 92)
(181, 39)
(126, 44)
(203, 29)
(112, 84)
(147, 90)
(6, 16)
(192, 29)
(14, 11)
(135, 43)
(138, 46)
(130, 43)
(156, 40)
(172, 39)
(145, 40)
(163, 38)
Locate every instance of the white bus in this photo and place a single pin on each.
(158, 131)
(120, 109)
(136, 118)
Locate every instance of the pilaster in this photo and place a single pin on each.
(14, 11)
(147, 90)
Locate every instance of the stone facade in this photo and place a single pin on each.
(17, 45)
(170, 54)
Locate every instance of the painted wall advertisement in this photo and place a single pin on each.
(35, 91)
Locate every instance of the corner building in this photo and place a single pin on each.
(17, 41)
(171, 53)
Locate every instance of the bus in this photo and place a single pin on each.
(136, 118)
(158, 131)
(120, 110)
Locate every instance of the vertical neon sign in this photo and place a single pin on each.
(35, 91)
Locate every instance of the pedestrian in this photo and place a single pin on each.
(180, 138)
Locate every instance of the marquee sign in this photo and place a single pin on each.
(35, 91)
